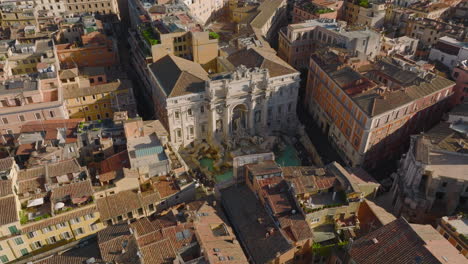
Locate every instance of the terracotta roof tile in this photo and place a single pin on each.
(108, 176)
(5, 188)
(71, 191)
(44, 125)
(30, 180)
(160, 252)
(115, 162)
(123, 202)
(166, 188)
(395, 243)
(9, 213)
(111, 241)
(78, 212)
(63, 168)
(26, 149)
(61, 259)
(6, 163)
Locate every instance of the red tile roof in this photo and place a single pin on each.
(166, 188)
(26, 149)
(9, 213)
(394, 243)
(6, 163)
(73, 190)
(111, 241)
(115, 162)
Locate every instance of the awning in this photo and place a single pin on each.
(35, 202)
(79, 200)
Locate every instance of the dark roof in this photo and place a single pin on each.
(179, 76)
(263, 167)
(461, 109)
(345, 76)
(261, 58)
(396, 243)
(389, 68)
(375, 104)
(252, 223)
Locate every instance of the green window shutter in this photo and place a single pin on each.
(13, 230)
(4, 259)
(24, 252)
(19, 241)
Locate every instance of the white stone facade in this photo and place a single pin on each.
(244, 102)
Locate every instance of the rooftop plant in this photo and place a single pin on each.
(364, 3)
(324, 10)
(213, 35)
(149, 36)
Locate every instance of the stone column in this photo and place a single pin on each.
(227, 121)
(251, 117)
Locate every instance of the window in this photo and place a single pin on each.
(38, 115)
(93, 227)
(32, 234)
(18, 241)
(52, 113)
(13, 230)
(61, 225)
(4, 259)
(189, 112)
(444, 184)
(79, 231)
(99, 79)
(36, 245)
(52, 240)
(89, 216)
(176, 114)
(47, 229)
(140, 211)
(21, 118)
(65, 235)
(94, 96)
(5, 120)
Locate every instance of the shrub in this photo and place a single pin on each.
(214, 35)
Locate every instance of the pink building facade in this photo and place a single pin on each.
(24, 100)
(460, 75)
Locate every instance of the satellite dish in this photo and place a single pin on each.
(59, 206)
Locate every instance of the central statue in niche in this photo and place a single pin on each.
(239, 119)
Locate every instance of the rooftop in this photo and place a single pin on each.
(263, 167)
(256, 230)
(458, 222)
(401, 242)
(178, 76)
(367, 94)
